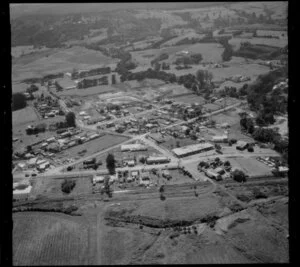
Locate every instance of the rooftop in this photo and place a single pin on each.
(191, 148)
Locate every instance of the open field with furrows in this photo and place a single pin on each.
(101, 89)
(58, 60)
(92, 146)
(23, 116)
(236, 42)
(49, 239)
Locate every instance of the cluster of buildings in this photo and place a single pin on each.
(48, 107)
(41, 154)
(216, 169)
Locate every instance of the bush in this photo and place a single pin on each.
(67, 186)
(18, 101)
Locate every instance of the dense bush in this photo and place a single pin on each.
(67, 186)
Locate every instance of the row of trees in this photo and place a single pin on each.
(189, 60)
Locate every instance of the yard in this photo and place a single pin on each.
(92, 146)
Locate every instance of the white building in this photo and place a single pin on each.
(133, 147)
(192, 149)
(220, 138)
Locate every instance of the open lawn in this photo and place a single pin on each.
(49, 239)
(19, 87)
(23, 116)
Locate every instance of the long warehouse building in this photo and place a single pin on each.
(192, 149)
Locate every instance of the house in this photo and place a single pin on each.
(134, 174)
(145, 178)
(43, 166)
(50, 140)
(32, 162)
(166, 174)
(82, 113)
(241, 145)
(98, 179)
(131, 163)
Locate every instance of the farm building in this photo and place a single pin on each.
(166, 174)
(213, 174)
(145, 178)
(31, 163)
(157, 160)
(133, 147)
(192, 149)
(220, 138)
(241, 145)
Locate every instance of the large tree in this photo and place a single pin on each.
(71, 119)
(110, 163)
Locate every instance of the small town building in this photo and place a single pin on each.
(133, 147)
(220, 138)
(241, 145)
(192, 149)
(98, 179)
(157, 160)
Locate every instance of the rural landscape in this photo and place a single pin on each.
(150, 133)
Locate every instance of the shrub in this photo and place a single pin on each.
(67, 186)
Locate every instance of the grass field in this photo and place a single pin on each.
(252, 70)
(23, 116)
(250, 166)
(189, 99)
(19, 87)
(88, 91)
(92, 146)
(49, 239)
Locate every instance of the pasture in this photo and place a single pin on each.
(18, 51)
(236, 42)
(56, 60)
(49, 239)
(23, 116)
(19, 87)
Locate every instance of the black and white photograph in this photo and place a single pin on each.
(149, 133)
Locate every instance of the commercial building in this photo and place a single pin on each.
(133, 147)
(157, 160)
(192, 149)
(220, 138)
